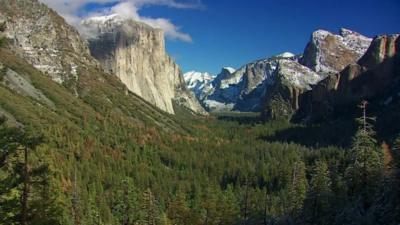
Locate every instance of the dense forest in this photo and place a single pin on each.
(110, 158)
(223, 169)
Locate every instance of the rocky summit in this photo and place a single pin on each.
(242, 89)
(98, 126)
(199, 83)
(274, 85)
(330, 53)
(43, 38)
(375, 75)
(135, 52)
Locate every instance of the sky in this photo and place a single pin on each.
(206, 35)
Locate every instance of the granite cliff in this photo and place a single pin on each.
(135, 52)
(374, 77)
(45, 40)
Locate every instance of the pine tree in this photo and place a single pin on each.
(149, 211)
(178, 210)
(246, 200)
(387, 207)
(228, 207)
(297, 189)
(126, 207)
(365, 170)
(209, 205)
(9, 195)
(26, 195)
(318, 200)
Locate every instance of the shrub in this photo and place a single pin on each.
(2, 42)
(3, 26)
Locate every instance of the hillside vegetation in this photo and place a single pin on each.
(108, 157)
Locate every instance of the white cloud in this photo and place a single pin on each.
(70, 10)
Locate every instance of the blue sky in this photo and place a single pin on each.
(235, 32)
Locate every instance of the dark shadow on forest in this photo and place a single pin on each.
(336, 133)
(241, 118)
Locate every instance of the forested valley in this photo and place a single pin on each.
(224, 169)
(106, 131)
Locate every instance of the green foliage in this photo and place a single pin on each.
(126, 208)
(3, 70)
(365, 171)
(318, 208)
(178, 210)
(2, 41)
(3, 26)
(298, 189)
(111, 158)
(150, 212)
(26, 194)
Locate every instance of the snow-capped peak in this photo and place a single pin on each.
(327, 44)
(230, 69)
(193, 77)
(355, 41)
(113, 18)
(198, 83)
(346, 32)
(286, 55)
(320, 34)
(93, 26)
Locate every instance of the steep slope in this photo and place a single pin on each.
(291, 79)
(36, 34)
(41, 37)
(374, 76)
(199, 83)
(256, 86)
(325, 55)
(243, 89)
(328, 53)
(135, 52)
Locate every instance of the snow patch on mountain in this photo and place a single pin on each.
(246, 88)
(297, 75)
(286, 55)
(230, 69)
(199, 83)
(103, 19)
(355, 41)
(329, 53)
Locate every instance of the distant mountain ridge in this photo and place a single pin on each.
(199, 83)
(258, 86)
(375, 76)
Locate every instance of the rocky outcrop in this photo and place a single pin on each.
(21, 84)
(324, 56)
(291, 80)
(263, 86)
(41, 37)
(199, 83)
(328, 53)
(375, 74)
(135, 52)
(245, 88)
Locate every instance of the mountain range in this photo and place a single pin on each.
(259, 84)
(101, 126)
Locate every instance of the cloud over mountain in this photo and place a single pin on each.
(74, 11)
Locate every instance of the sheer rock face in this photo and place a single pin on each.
(325, 55)
(328, 53)
(135, 52)
(375, 74)
(243, 89)
(291, 80)
(42, 37)
(199, 83)
(257, 86)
